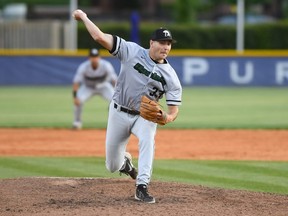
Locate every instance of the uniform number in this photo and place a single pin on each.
(156, 93)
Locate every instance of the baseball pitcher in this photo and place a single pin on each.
(145, 77)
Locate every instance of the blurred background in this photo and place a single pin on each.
(198, 11)
(206, 24)
(223, 43)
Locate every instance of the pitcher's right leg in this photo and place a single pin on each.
(117, 137)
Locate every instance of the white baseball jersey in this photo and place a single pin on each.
(140, 75)
(94, 78)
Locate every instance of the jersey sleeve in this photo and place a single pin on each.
(124, 50)
(174, 92)
(173, 98)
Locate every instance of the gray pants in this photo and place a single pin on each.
(120, 127)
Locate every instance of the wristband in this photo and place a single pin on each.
(74, 94)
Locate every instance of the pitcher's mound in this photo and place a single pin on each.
(106, 196)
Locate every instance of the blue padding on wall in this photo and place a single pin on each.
(36, 70)
(192, 71)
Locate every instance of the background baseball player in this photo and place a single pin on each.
(143, 73)
(95, 76)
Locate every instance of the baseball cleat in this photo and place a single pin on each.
(77, 126)
(128, 168)
(143, 195)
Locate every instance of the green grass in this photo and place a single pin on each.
(50, 107)
(245, 175)
(234, 108)
(248, 108)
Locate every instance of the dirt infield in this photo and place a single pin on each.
(170, 144)
(96, 196)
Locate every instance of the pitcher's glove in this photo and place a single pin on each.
(152, 111)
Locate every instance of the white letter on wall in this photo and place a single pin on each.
(281, 72)
(244, 79)
(194, 67)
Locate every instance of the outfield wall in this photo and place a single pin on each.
(214, 68)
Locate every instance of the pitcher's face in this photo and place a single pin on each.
(159, 50)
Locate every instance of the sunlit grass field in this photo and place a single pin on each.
(244, 175)
(221, 108)
(250, 108)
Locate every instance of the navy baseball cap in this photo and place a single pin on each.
(162, 34)
(93, 52)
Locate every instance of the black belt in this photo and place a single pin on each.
(123, 109)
